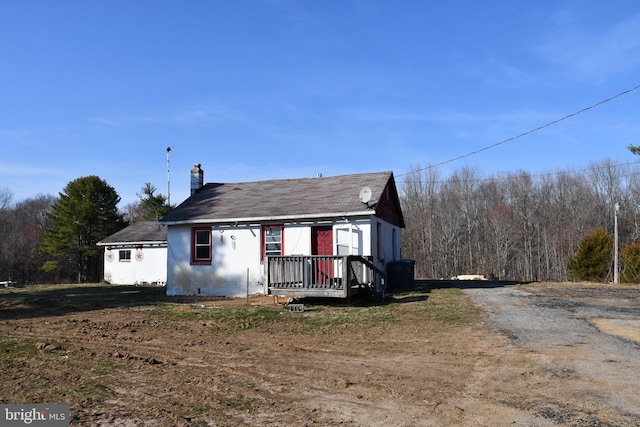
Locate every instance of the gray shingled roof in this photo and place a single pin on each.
(138, 232)
(284, 198)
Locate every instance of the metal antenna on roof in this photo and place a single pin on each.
(168, 177)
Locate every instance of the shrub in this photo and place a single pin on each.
(592, 260)
(630, 256)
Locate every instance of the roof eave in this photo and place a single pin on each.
(288, 218)
(133, 242)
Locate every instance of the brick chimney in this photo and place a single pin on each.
(197, 178)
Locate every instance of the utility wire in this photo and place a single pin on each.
(478, 196)
(597, 104)
(559, 172)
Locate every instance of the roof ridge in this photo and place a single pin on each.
(388, 172)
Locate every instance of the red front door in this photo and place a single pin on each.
(322, 244)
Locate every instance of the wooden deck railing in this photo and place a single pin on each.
(325, 276)
(365, 272)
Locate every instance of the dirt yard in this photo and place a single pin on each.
(130, 356)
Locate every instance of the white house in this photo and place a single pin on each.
(321, 236)
(136, 255)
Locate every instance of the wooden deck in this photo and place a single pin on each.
(323, 276)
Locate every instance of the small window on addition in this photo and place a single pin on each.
(272, 240)
(124, 255)
(201, 246)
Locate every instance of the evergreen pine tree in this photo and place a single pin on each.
(592, 260)
(153, 206)
(85, 213)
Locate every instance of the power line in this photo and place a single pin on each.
(511, 176)
(560, 172)
(438, 190)
(597, 104)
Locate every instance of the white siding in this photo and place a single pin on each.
(234, 250)
(151, 267)
(389, 248)
(237, 249)
(297, 239)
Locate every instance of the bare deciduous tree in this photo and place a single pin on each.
(514, 226)
(21, 228)
(5, 197)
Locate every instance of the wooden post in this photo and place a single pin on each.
(346, 280)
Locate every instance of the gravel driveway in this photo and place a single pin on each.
(587, 336)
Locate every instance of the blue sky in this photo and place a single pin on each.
(285, 88)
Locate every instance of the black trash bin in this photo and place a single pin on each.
(400, 274)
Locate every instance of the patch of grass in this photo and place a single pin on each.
(94, 390)
(80, 297)
(170, 311)
(196, 408)
(238, 317)
(90, 390)
(14, 348)
(249, 317)
(236, 401)
(447, 305)
(451, 306)
(359, 317)
(45, 371)
(103, 369)
(63, 390)
(267, 317)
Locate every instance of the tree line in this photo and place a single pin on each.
(517, 226)
(506, 226)
(47, 239)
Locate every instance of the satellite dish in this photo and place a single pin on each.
(365, 195)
